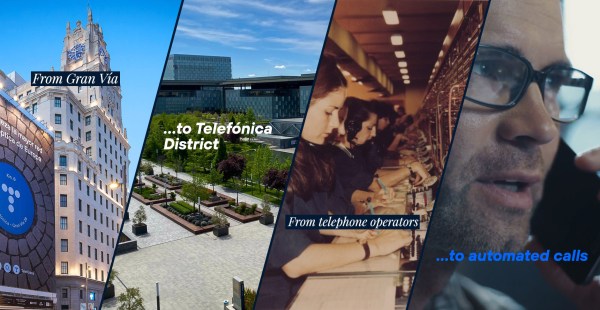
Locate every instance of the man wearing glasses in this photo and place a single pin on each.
(521, 89)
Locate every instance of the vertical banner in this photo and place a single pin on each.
(26, 209)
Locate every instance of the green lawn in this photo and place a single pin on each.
(182, 207)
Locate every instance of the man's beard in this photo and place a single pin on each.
(464, 223)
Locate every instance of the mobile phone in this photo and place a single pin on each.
(568, 217)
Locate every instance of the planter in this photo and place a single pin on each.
(139, 229)
(109, 292)
(145, 201)
(169, 186)
(230, 211)
(221, 231)
(182, 222)
(266, 219)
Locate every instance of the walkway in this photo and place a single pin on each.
(194, 271)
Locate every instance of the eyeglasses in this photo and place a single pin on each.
(500, 78)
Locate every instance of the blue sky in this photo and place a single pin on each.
(137, 35)
(263, 37)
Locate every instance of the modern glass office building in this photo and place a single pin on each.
(204, 83)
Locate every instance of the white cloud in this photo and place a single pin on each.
(248, 48)
(279, 67)
(313, 28)
(251, 75)
(277, 9)
(214, 35)
(298, 44)
(210, 10)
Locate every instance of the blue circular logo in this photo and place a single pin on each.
(16, 202)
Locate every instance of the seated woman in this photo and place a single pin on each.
(388, 137)
(312, 189)
(353, 160)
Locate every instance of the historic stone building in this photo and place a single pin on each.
(91, 162)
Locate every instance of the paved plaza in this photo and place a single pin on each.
(194, 271)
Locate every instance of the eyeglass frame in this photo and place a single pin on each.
(533, 76)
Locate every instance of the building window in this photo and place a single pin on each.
(88, 136)
(34, 108)
(81, 275)
(58, 135)
(80, 248)
(79, 165)
(71, 108)
(64, 245)
(71, 124)
(80, 227)
(88, 151)
(88, 120)
(63, 223)
(57, 102)
(64, 267)
(65, 292)
(57, 119)
(62, 161)
(63, 179)
(63, 201)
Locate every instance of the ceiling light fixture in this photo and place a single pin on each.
(390, 17)
(407, 82)
(400, 54)
(404, 71)
(406, 77)
(396, 39)
(402, 64)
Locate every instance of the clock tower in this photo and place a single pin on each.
(84, 49)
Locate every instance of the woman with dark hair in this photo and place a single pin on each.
(354, 157)
(313, 189)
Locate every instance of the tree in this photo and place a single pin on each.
(249, 298)
(249, 118)
(193, 190)
(232, 137)
(139, 217)
(275, 178)
(147, 168)
(130, 300)
(221, 154)
(214, 177)
(262, 160)
(233, 166)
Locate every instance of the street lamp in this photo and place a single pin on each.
(114, 185)
(87, 294)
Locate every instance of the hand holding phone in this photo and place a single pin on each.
(567, 220)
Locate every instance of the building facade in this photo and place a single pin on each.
(197, 68)
(204, 83)
(91, 160)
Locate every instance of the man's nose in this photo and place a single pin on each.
(529, 121)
